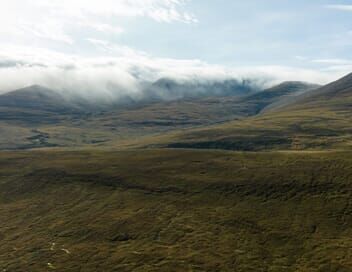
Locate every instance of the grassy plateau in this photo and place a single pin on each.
(175, 210)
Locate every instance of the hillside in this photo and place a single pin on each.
(73, 205)
(36, 98)
(335, 96)
(35, 105)
(276, 96)
(175, 136)
(38, 117)
(136, 211)
(316, 120)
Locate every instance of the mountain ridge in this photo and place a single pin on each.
(316, 120)
(118, 124)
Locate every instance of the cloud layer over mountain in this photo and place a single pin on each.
(95, 77)
(95, 49)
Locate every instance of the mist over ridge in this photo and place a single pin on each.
(137, 76)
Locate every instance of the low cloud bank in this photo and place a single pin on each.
(110, 78)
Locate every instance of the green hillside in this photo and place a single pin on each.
(316, 120)
(47, 119)
(138, 211)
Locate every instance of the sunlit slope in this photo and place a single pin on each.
(320, 119)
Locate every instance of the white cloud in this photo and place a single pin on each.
(52, 30)
(333, 61)
(102, 27)
(300, 58)
(340, 7)
(106, 77)
(159, 10)
(55, 20)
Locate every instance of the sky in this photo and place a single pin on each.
(90, 44)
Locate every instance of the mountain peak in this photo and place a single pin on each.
(340, 87)
(34, 97)
(171, 89)
(34, 88)
(294, 86)
(341, 84)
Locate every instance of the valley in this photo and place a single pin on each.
(175, 136)
(255, 182)
(80, 125)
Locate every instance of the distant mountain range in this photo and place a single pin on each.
(167, 113)
(39, 98)
(42, 98)
(316, 119)
(168, 90)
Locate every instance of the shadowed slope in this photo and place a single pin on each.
(35, 98)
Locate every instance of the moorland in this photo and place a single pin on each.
(254, 181)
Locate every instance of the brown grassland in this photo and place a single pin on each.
(175, 210)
